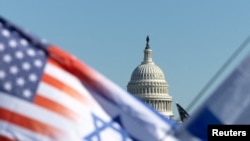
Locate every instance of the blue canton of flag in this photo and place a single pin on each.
(21, 65)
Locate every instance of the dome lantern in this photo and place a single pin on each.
(147, 53)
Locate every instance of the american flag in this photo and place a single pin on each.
(46, 94)
(39, 100)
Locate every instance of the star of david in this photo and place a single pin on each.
(95, 135)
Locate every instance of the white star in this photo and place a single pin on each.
(7, 86)
(12, 43)
(27, 93)
(26, 66)
(13, 70)
(2, 47)
(31, 52)
(20, 81)
(7, 58)
(19, 54)
(5, 33)
(2, 74)
(23, 42)
(38, 63)
(32, 77)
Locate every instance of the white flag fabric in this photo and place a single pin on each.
(228, 105)
(46, 94)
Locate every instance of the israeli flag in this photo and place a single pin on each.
(228, 105)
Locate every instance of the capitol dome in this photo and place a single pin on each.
(149, 84)
(148, 72)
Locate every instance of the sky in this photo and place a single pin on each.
(191, 40)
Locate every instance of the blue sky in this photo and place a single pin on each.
(190, 39)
